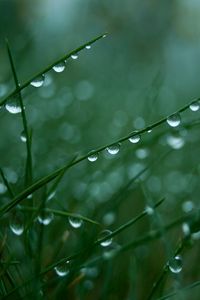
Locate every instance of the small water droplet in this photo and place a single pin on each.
(93, 157)
(194, 106)
(88, 47)
(135, 138)
(51, 195)
(59, 67)
(75, 222)
(149, 131)
(174, 120)
(103, 234)
(23, 136)
(149, 210)
(176, 264)
(16, 224)
(45, 218)
(113, 149)
(105, 35)
(62, 269)
(38, 81)
(13, 107)
(74, 56)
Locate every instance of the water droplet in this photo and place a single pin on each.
(149, 131)
(88, 47)
(176, 264)
(187, 206)
(38, 81)
(75, 222)
(113, 149)
(62, 269)
(194, 106)
(23, 136)
(45, 218)
(176, 142)
(16, 224)
(59, 67)
(105, 35)
(135, 138)
(93, 157)
(174, 120)
(13, 107)
(107, 242)
(51, 195)
(149, 210)
(74, 56)
(186, 229)
(195, 235)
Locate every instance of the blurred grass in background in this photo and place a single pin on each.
(146, 68)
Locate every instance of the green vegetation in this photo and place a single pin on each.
(90, 210)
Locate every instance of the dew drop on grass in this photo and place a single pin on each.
(38, 81)
(103, 234)
(105, 35)
(88, 47)
(16, 225)
(176, 264)
(59, 67)
(75, 222)
(74, 56)
(13, 107)
(194, 106)
(149, 210)
(175, 142)
(45, 218)
(23, 136)
(113, 149)
(174, 120)
(134, 138)
(186, 229)
(62, 269)
(93, 157)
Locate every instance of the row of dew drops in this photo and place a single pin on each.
(174, 121)
(12, 105)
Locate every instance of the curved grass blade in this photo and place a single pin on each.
(75, 51)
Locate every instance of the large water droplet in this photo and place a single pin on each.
(59, 67)
(194, 106)
(62, 269)
(16, 224)
(135, 138)
(74, 56)
(114, 149)
(38, 81)
(107, 242)
(176, 264)
(75, 222)
(23, 136)
(13, 107)
(45, 218)
(174, 120)
(93, 157)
